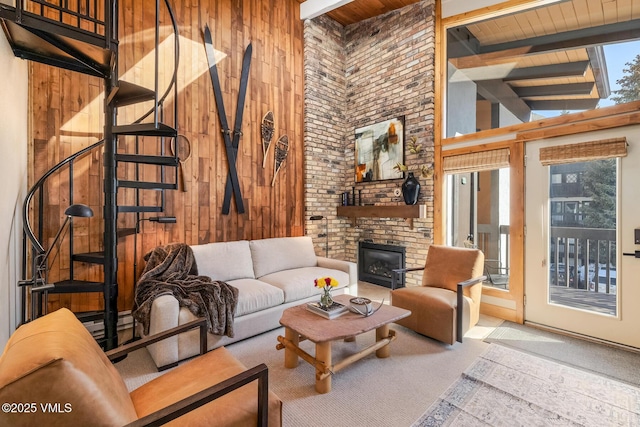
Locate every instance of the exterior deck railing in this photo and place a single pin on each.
(583, 258)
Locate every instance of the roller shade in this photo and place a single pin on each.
(476, 162)
(592, 150)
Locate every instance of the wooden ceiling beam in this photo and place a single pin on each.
(564, 104)
(499, 92)
(576, 39)
(461, 42)
(582, 38)
(565, 69)
(555, 90)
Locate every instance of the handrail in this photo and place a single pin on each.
(38, 186)
(36, 244)
(172, 83)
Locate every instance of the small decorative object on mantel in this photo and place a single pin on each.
(266, 130)
(411, 189)
(281, 151)
(345, 198)
(326, 284)
(426, 170)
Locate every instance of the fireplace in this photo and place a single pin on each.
(375, 262)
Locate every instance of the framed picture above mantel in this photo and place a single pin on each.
(379, 147)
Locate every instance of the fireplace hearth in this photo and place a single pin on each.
(375, 262)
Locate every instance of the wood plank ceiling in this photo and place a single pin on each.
(359, 10)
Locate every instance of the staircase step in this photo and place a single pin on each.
(90, 257)
(38, 39)
(129, 93)
(141, 209)
(148, 160)
(89, 316)
(146, 129)
(148, 185)
(74, 286)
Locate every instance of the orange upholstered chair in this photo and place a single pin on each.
(448, 302)
(59, 376)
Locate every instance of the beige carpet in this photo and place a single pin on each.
(372, 392)
(506, 387)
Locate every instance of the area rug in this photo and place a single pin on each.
(614, 362)
(506, 387)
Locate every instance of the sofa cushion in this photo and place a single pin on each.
(54, 359)
(298, 283)
(224, 260)
(253, 295)
(281, 253)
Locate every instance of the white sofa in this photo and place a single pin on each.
(270, 274)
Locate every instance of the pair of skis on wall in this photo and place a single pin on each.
(230, 144)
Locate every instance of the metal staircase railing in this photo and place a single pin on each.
(67, 34)
(28, 33)
(38, 276)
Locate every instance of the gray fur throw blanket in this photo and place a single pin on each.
(172, 270)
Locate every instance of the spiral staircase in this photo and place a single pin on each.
(34, 35)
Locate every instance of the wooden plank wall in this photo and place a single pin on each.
(66, 115)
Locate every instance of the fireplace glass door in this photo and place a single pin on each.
(375, 262)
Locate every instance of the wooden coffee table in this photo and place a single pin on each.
(300, 324)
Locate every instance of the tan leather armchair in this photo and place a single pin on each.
(448, 302)
(53, 373)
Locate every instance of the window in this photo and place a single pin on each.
(583, 242)
(542, 62)
(582, 246)
(478, 216)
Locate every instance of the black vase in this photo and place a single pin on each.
(411, 189)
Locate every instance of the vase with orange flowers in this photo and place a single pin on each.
(326, 284)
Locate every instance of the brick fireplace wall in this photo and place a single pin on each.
(325, 103)
(356, 76)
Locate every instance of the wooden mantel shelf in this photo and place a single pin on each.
(408, 212)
